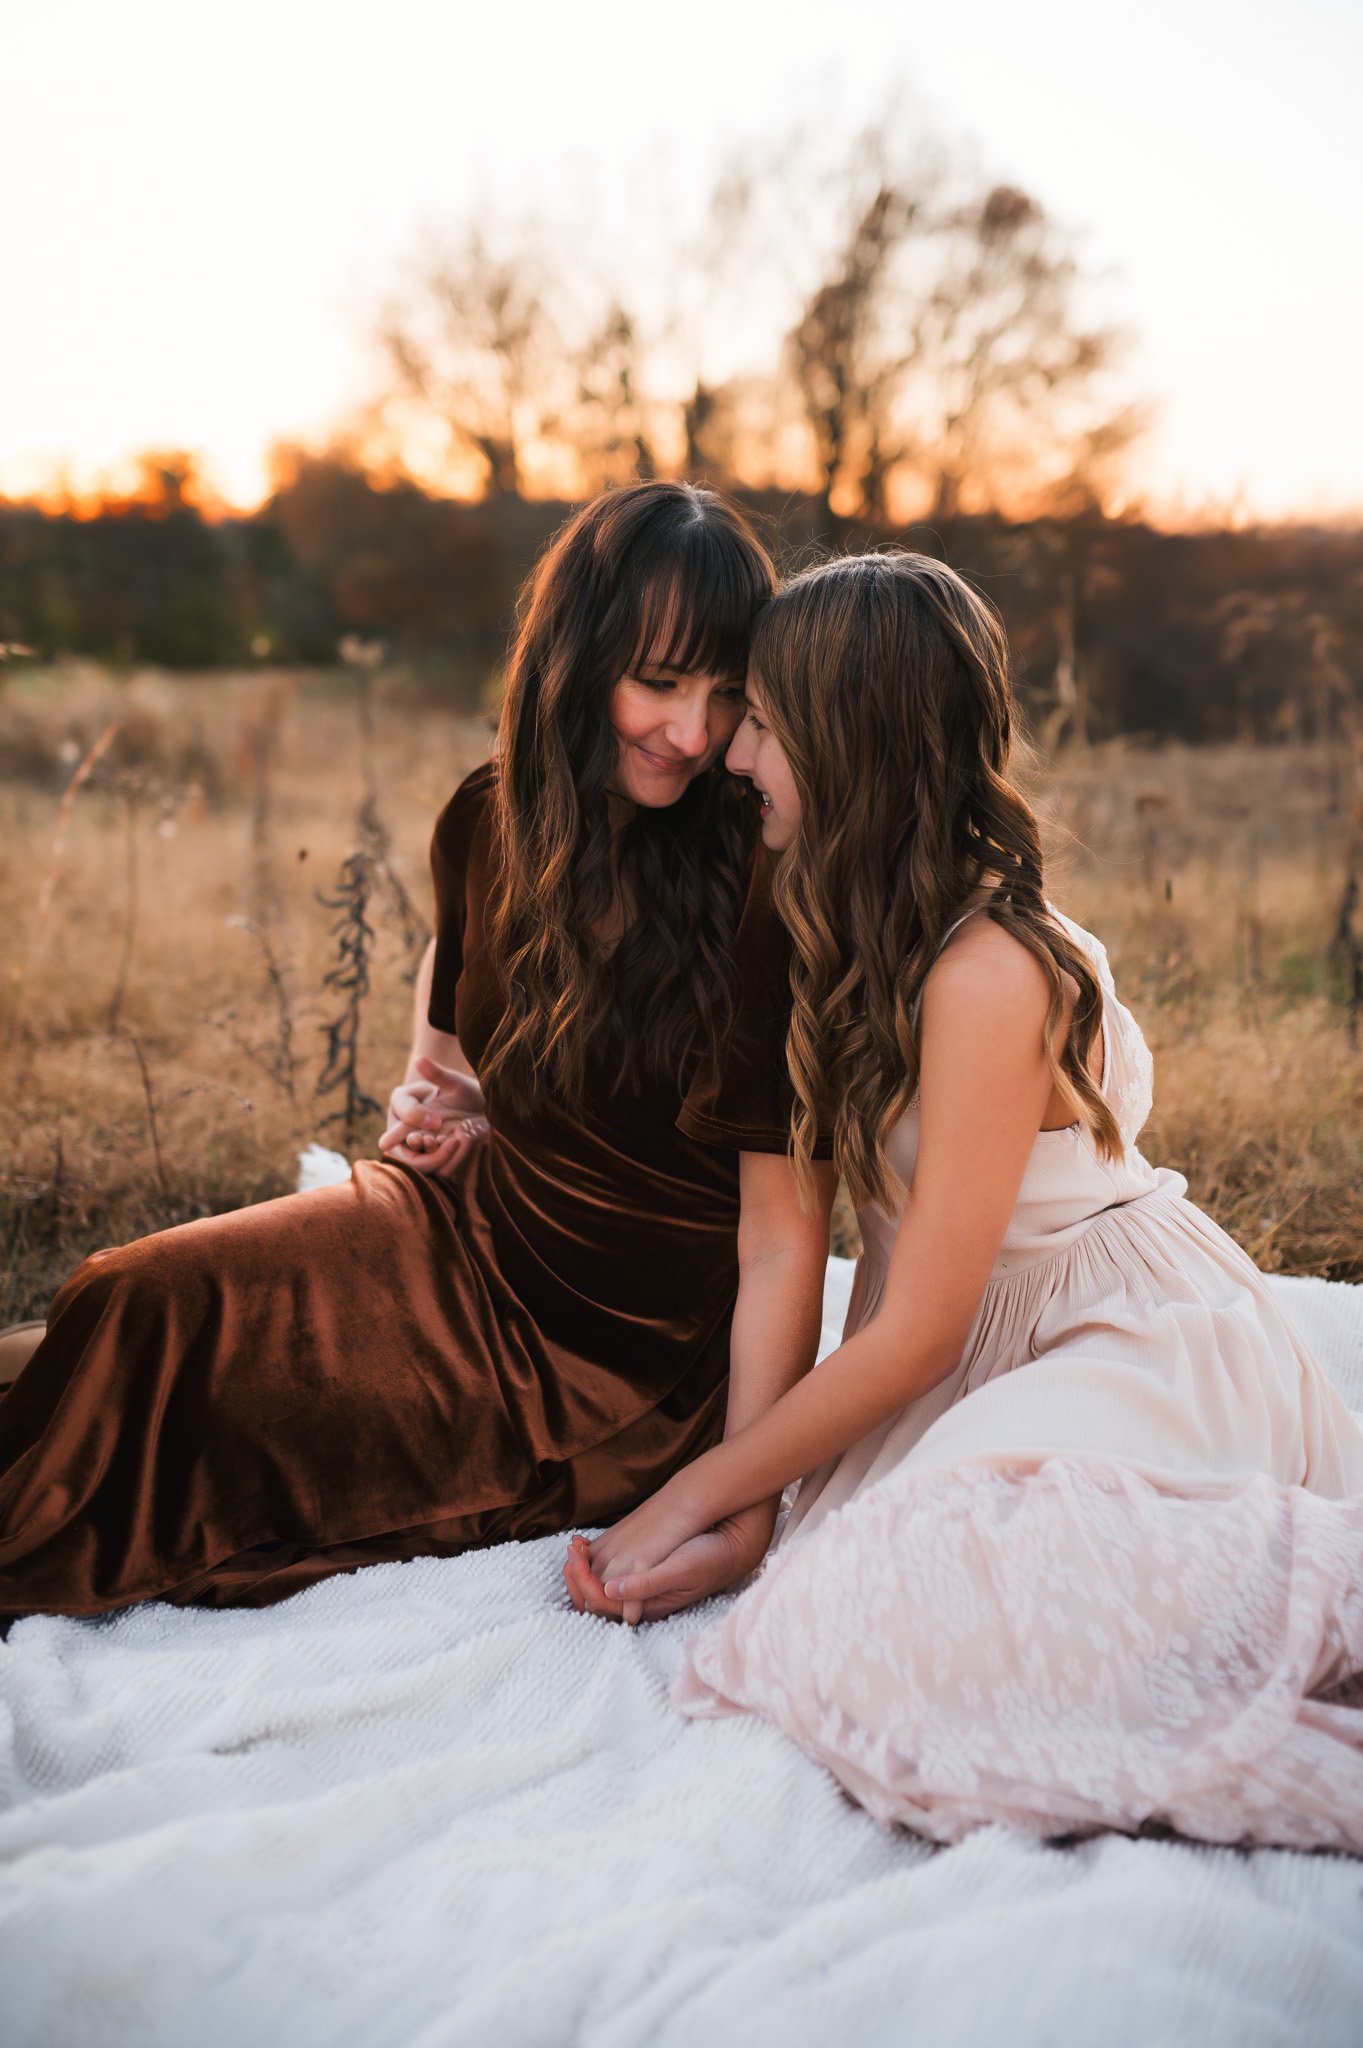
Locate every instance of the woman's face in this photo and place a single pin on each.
(669, 728)
(756, 752)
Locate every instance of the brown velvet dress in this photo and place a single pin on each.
(231, 1410)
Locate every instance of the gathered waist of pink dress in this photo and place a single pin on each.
(1054, 1237)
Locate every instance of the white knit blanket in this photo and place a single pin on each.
(429, 1804)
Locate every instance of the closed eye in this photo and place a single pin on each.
(733, 692)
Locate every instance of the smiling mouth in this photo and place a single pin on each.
(661, 761)
(763, 800)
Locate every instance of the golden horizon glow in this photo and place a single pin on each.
(204, 277)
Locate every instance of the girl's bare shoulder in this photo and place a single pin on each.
(983, 963)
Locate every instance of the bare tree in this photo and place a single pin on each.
(168, 480)
(612, 418)
(718, 284)
(848, 357)
(1064, 545)
(1016, 383)
(475, 348)
(923, 336)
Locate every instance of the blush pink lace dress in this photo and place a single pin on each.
(1110, 1571)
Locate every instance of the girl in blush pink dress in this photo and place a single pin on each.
(1080, 1542)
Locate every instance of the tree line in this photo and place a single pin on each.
(864, 343)
(1117, 626)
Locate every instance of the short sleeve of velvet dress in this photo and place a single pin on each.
(744, 1105)
(458, 856)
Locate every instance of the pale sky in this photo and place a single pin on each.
(201, 202)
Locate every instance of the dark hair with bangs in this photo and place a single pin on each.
(672, 576)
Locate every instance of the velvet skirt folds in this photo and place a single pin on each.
(228, 1411)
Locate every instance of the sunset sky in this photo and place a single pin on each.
(201, 204)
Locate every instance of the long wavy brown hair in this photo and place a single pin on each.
(887, 680)
(673, 574)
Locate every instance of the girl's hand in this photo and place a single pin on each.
(699, 1566)
(433, 1120)
(644, 1538)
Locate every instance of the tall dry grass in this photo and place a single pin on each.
(252, 794)
(179, 895)
(1216, 879)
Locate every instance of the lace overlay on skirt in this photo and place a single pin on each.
(1067, 1649)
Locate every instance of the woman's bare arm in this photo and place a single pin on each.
(427, 1041)
(437, 1110)
(782, 1259)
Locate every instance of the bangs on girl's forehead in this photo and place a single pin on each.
(697, 620)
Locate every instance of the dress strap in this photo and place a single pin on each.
(951, 929)
(964, 918)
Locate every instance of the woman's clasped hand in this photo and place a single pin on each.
(655, 1562)
(433, 1117)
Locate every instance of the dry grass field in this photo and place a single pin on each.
(164, 1012)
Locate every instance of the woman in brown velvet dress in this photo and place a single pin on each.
(485, 1336)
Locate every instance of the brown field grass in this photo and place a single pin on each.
(1214, 877)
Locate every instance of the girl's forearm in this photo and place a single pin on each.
(860, 1386)
(777, 1319)
(775, 1336)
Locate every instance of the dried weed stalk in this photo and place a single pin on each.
(149, 1097)
(43, 926)
(413, 928)
(130, 790)
(365, 658)
(354, 936)
(282, 1063)
(265, 921)
(367, 869)
(260, 746)
(154, 1106)
(1346, 949)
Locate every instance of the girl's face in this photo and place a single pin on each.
(756, 752)
(669, 728)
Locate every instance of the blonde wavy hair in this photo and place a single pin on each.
(886, 679)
